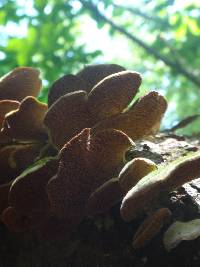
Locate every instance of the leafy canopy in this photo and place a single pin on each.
(162, 40)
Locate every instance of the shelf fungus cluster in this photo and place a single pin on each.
(64, 161)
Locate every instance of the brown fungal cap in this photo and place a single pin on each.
(66, 84)
(155, 184)
(19, 83)
(112, 94)
(86, 162)
(133, 171)
(26, 123)
(67, 117)
(150, 110)
(68, 190)
(93, 74)
(151, 227)
(141, 120)
(27, 193)
(109, 147)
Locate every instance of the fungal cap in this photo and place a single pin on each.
(133, 171)
(26, 123)
(112, 94)
(28, 190)
(141, 120)
(67, 117)
(86, 162)
(64, 85)
(19, 83)
(151, 227)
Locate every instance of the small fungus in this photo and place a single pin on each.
(134, 171)
(181, 231)
(151, 227)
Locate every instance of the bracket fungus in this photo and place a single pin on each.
(22, 130)
(86, 162)
(77, 110)
(28, 191)
(141, 120)
(134, 171)
(181, 231)
(150, 227)
(85, 80)
(155, 184)
(102, 106)
(27, 204)
(26, 123)
(113, 94)
(67, 117)
(113, 190)
(88, 126)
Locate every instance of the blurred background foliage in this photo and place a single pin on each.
(159, 38)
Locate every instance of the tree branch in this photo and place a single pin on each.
(177, 67)
(143, 15)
